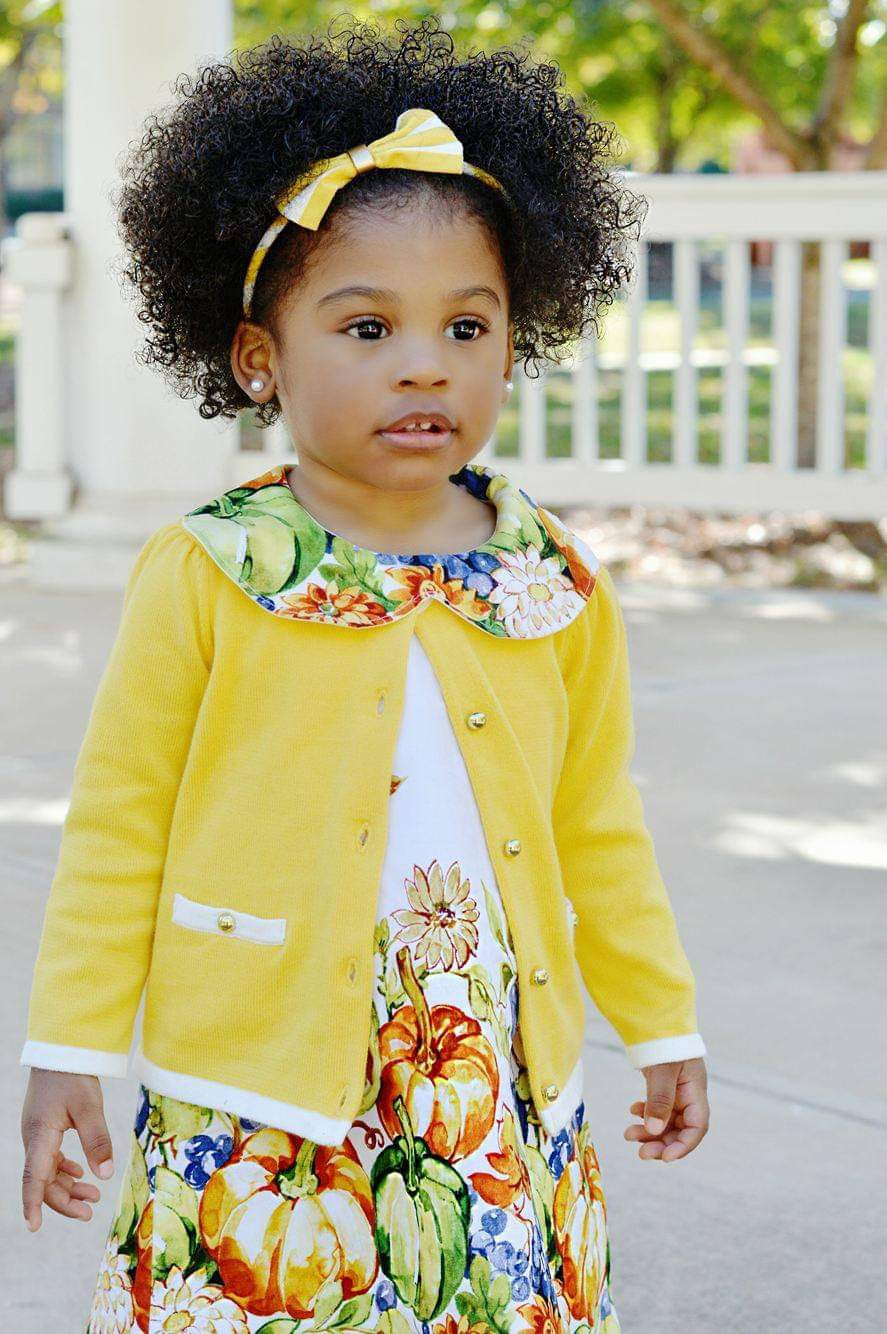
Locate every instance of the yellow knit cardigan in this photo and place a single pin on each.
(224, 842)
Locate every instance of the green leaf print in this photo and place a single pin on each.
(373, 1070)
(170, 1119)
(487, 1303)
(497, 921)
(393, 1321)
(279, 1325)
(327, 1302)
(353, 1313)
(383, 934)
(481, 996)
(422, 1216)
(486, 1005)
(175, 1221)
(542, 1187)
(134, 1192)
(258, 536)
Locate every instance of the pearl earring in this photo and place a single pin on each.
(509, 385)
(257, 385)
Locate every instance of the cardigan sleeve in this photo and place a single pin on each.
(626, 939)
(98, 923)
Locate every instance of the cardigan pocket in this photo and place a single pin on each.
(227, 922)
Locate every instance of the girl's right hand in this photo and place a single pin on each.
(55, 1102)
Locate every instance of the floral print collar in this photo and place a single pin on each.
(530, 578)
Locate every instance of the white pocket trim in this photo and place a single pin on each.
(572, 916)
(205, 917)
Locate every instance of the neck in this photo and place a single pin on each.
(443, 517)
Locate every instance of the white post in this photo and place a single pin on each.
(128, 437)
(38, 259)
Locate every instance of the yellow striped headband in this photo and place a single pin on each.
(420, 141)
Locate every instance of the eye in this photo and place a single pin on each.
(372, 320)
(359, 324)
(478, 324)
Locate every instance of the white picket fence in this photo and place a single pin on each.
(687, 210)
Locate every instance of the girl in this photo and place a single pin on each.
(353, 802)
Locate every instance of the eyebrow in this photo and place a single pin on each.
(386, 294)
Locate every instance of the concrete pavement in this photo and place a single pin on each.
(762, 760)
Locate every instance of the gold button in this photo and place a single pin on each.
(476, 719)
(344, 1098)
(512, 847)
(352, 970)
(363, 836)
(550, 1092)
(380, 703)
(539, 976)
(226, 921)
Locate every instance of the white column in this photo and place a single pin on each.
(38, 260)
(128, 434)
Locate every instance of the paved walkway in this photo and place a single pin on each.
(762, 759)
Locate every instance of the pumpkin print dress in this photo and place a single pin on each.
(447, 1208)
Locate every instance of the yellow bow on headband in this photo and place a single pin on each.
(419, 141)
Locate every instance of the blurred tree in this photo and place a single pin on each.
(680, 78)
(25, 78)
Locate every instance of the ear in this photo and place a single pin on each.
(251, 359)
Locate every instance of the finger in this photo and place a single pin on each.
(661, 1085)
(68, 1165)
(641, 1133)
(685, 1143)
(694, 1129)
(59, 1199)
(39, 1169)
(92, 1129)
(79, 1190)
(677, 1117)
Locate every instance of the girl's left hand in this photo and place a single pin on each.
(676, 1112)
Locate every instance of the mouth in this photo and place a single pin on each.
(433, 436)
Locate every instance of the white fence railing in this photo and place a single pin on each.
(833, 209)
(687, 211)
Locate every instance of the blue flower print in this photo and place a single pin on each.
(502, 1255)
(560, 1153)
(205, 1153)
(141, 1111)
(250, 1126)
(494, 1220)
(480, 1243)
(264, 602)
(474, 483)
(520, 1289)
(540, 1274)
(385, 1295)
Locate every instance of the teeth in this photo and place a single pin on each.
(417, 425)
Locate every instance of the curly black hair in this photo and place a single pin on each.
(199, 188)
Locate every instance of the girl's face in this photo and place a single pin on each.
(430, 330)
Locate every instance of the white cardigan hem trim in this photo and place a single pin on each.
(556, 1116)
(241, 1102)
(659, 1050)
(74, 1060)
